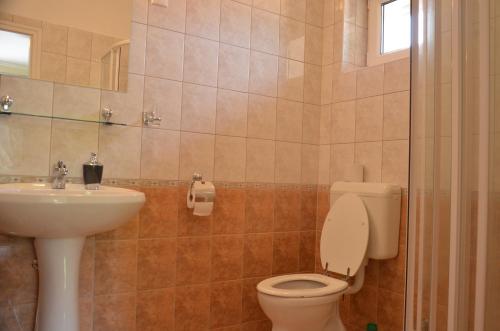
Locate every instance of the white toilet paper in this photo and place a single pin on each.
(201, 198)
(354, 173)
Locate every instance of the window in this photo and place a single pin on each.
(389, 30)
(15, 59)
(22, 57)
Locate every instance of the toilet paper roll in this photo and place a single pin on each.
(354, 173)
(201, 198)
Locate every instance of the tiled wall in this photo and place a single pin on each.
(242, 88)
(365, 110)
(169, 270)
(237, 87)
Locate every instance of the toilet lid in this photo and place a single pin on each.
(344, 238)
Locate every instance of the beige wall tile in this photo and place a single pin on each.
(395, 161)
(361, 46)
(203, 18)
(30, 96)
(196, 155)
(397, 115)
(140, 11)
(310, 164)
(165, 97)
(260, 160)
(172, 17)
(234, 63)
(265, 35)
(344, 85)
(55, 38)
(235, 25)
(127, 106)
(327, 47)
(328, 13)
(77, 72)
(120, 151)
(164, 53)
(26, 147)
(369, 154)
(288, 162)
(290, 79)
(76, 102)
(370, 82)
(397, 76)
(292, 39)
(369, 119)
(342, 158)
(261, 117)
(314, 12)
(343, 121)
(325, 124)
(263, 74)
(137, 60)
(295, 9)
(200, 61)
(100, 46)
(73, 142)
(327, 84)
(270, 5)
(314, 45)
(311, 124)
(230, 159)
(53, 67)
(232, 113)
(362, 14)
(312, 84)
(79, 44)
(160, 154)
(198, 108)
(324, 165)
(289, 121)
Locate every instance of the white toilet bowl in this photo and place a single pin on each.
(310, 302)
(302, 302)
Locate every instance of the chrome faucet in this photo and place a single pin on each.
(60, 173)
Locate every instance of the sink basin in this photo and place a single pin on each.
(37, 210)
(60, 220)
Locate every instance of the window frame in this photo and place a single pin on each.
(374, 56)
(36, 43)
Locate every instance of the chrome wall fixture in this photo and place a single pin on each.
(107, 113)
(6, 103)
(151, 118)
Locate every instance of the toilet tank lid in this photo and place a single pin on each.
(365, 188)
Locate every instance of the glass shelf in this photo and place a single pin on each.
(62, 118)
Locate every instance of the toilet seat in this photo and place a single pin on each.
(314, 285)
(344, 239)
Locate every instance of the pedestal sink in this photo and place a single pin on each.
(60, 220)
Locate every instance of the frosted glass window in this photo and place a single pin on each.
(15, 59)
(396, 26)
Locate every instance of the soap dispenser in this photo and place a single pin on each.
(92, 173)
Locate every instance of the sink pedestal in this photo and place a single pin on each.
(58, 269)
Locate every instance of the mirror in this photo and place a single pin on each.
(84, 43)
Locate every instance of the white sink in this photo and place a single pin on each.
(37, 210)
(60, 219)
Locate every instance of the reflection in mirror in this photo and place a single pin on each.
(84, 43)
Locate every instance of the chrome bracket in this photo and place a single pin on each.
(106, 113)
(151, 118)
(6, 103)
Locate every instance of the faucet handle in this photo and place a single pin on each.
(61, 167)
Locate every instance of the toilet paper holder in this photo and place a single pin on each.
(203, 198)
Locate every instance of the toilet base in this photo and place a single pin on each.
(303, 314)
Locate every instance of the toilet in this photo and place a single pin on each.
(363, 223)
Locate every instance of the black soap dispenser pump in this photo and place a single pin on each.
(92, 173)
